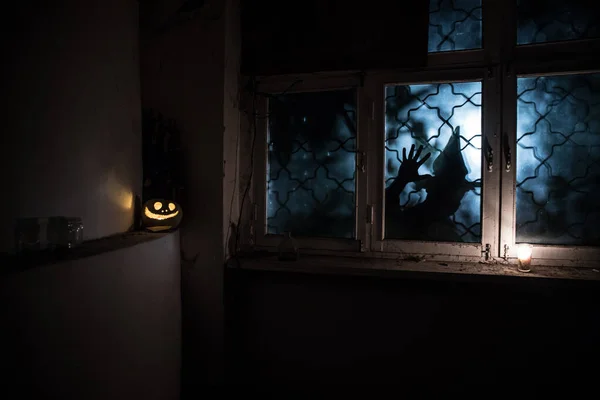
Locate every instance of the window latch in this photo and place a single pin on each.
(360, 161)
(487, 252)
(490, 158)
(508, 154)
(370, 214)
(254, 216)
(505, 254)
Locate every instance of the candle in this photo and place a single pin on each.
(524, 256)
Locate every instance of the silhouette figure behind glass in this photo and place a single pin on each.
(432, 218)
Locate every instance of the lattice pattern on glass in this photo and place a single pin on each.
(438, 199)
(454, 25)
(558, 160)
(542, 21)
(311, 165)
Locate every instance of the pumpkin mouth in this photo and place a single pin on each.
(159, 228)
(159, 217)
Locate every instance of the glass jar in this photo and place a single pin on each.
(48, 233)
(74, 232)
(288, 248)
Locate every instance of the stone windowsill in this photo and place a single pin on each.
(395, 267)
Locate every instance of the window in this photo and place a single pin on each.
(495, 143)
(441, 125)
(311, 168)
(542, 21)
(454, 25)
(558, 159)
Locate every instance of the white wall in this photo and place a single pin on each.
(107, 326)
(102, 327)
(71, 141)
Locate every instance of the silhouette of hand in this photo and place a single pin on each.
(409, 169)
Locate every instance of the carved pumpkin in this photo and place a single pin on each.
(161, 215)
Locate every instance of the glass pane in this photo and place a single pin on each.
(311, 168)
(454, 25)
(441, 199)
(558, 159)
(542, 21)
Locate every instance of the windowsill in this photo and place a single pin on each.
(318, 264)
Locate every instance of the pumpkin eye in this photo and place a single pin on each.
(157, 205)
(171, 206)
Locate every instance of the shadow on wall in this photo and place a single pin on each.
(162, 158)
(105, 326)
(74, 115)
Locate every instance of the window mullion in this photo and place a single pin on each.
(363, 232)
(258, 129)
(492, 160)
(375, 159)
(496, 27)
(508, 152)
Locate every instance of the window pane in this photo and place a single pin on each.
(558, 159)
(454, 25)
(542, 21)
(311, 168)
(442, 201)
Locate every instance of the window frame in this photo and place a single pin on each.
(536, 59)
(433, 249)
(497, 65)
(550, 254)
(304, 83)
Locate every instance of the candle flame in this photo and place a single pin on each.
(524, 252)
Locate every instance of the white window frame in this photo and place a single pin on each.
(538, 59)
(302, 84)
(497, 65)
(435, 250)
(563, 255)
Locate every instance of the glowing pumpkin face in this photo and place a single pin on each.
(161, 215)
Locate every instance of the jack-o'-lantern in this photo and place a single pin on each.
(161, 215)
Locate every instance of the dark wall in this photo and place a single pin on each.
(71, 135)
(107, 326)
(189, 71)
(317, 35)
(299, 328)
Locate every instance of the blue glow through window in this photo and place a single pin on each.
(558, 159)
(541, 21)
(454, 25)
(311, 164)
(442, 202)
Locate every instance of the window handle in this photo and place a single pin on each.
(361, 161)
(508, 69)
(489, 156)
(508, 154)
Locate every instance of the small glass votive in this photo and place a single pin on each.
(74, 232)
(288, 248)
(47, 233)
(30, 234)
(524, 257)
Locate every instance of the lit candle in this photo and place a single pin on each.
(524, 256)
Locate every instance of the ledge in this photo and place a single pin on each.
(13, 263)
(318, 264)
